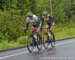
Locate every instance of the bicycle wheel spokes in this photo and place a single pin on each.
(52, 38)
(39, 43)
(46, 42)
(52, 41)
(30, 44)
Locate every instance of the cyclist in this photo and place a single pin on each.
(35, 23)
(49, 22)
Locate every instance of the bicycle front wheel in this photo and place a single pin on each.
(52, 38)
(30, 44)
(45, 42)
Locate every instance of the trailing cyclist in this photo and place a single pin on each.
(49, 22)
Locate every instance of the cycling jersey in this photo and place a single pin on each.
(35, 22)
(49, 20)
(35, 19)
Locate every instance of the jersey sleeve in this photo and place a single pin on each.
(27, 23)
(35, 18)
(27, 20)
(51, 20)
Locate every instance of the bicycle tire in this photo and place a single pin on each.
(52, 39)
(39, 43)
(29, 42)
(46, 44)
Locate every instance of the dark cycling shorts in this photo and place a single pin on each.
(35, 24)
(50, 22)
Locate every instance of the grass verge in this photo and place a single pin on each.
(61, 31)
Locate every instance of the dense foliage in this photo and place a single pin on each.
(14, 12)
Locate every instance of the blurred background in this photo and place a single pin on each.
(13, 14)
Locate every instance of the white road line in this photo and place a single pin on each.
(65, 43)
(13, 55)
(27, 51)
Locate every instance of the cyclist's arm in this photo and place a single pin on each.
(52, 20)
(27, 24)
(41, 23)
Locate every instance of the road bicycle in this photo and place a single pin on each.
(34, 41)
(50, 39)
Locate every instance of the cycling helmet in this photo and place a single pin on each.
(45, 13)
(30, 14)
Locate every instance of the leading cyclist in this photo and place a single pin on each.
(35, 23)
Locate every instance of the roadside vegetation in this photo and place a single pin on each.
(14, 12)
(60, 32)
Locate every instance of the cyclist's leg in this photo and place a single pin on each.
(33, 30)
(46, 32)
(38, 31)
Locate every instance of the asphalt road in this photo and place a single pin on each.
(64, 50)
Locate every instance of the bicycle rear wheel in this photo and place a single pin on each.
(39, 45)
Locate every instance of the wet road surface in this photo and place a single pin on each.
(64, 50)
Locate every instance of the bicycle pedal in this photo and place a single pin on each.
(49, 41)
(31, 44)
(35, 43)
(46, 41)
